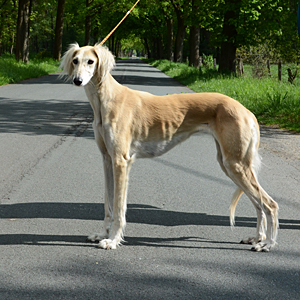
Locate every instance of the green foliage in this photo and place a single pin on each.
(8, 17)
(42, 26)
(12, 71)
(258, 21)
(208, 61)
(273, 102)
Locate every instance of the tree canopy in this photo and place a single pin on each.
(172, 29)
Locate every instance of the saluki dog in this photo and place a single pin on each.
(131, 124)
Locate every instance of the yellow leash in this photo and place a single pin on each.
(119, 23)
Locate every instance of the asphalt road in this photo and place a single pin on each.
(179, 244)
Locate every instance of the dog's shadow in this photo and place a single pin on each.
(186, 242)
(136, 213)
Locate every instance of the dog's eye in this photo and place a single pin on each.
(75, 61)
(90, 62)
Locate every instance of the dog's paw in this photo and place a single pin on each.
(95, 238)
(108, 244)
(249, 241)
(262, 247)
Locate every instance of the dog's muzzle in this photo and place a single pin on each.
(77, 81)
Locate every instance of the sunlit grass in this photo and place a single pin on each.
(12, 71)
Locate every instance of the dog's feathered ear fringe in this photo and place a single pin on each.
(106, 61)
(66, 61)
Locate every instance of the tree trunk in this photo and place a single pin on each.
(88, 24)
(59, 29)
(170, 53)
(179, 39)
(194, 46)
(147, 48)
(159, 45)
(229, 45)
(11, 50)
(194, 39)
(279, 71)
(227, 57)
(23, 25)
(0, 43)
(180, 10)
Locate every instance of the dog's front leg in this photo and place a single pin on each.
(121, 167)
(109, 200)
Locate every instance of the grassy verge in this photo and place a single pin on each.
(273, 102)
(12, 71)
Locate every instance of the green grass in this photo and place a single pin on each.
(273, 102)
(12, 71)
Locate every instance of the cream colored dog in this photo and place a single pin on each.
(130, 124)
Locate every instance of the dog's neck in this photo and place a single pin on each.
(105, 89)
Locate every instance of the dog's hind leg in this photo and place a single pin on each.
(260, 227)
(239, 159)
(244, 176)
(260, 230)
(237, 194)
(265, 207)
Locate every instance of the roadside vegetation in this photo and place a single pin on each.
(12, 71)
(273, 102)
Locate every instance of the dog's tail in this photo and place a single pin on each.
(235, 199)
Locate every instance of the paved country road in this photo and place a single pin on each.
(179, 244)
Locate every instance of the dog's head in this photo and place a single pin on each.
(81, 64)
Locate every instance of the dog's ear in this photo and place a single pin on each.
(106, 61)
(66, 61)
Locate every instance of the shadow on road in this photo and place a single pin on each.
(148, 77)
(36, 117)
(80, 240)
(151, 81)
(273, 133)
(136, 213)
(47, 79)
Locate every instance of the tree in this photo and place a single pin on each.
(59, 29)
(169, 50)
(251, 23)
(194, 36)
(8, 17)
(161, 24)
(284, 37)
(88, 23)
(150, 25)
(229, 34)
(23, 27)
(180, 7)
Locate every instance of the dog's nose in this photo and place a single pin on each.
(77, 81)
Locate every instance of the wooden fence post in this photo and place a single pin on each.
(279, 71)
(240, 67)
(268, 67)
